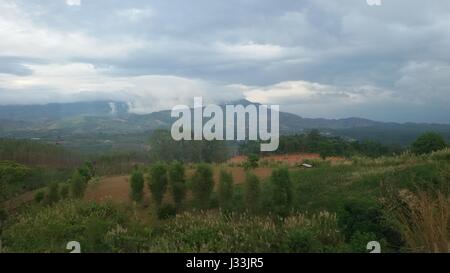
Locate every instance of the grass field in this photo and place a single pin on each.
(337, 206)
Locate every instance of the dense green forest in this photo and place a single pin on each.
(325, 145)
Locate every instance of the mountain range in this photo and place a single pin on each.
(111, 118)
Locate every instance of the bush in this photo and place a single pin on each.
(202, 185)
(252, 193)
(11, 177)
(87, 170)
(177, 181)
(158, 181)
(359, 240)
(252, 161)
(427, 143)
(302, 241)
(39, 196)
(166, 211)
(365, 218)
(49, 229)
(64, 191)
(78, 185)
(225, 190)
(137, 186)
(281, 191)
(52, 193)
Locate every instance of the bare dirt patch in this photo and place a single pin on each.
(289, 159)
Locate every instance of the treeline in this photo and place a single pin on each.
(315, 142)
(30, 152)
(164, 148)
(119, 162)
(16, 178)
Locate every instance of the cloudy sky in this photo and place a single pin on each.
(316, 58)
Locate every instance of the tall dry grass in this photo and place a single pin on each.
(424, 221)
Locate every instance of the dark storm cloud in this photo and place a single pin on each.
(398, 51)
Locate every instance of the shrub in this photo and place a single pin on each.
(158, 181)
(166, 211)
(281, 191)
(52, 193)
(252, 161)
(137, 186)
(3, 217)
(225, 190)
(87, 170)
(252, 193)
(77, 185)
(302, 241)
(427, 143)
(64, 191)
(366, 218)
(39, 196)
(202, 185)
(177, 181)
(358, 242)
(49, 229)
(11, 176)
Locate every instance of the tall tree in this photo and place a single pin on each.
(177, 181)
(427, 143)
(137, 185)
(282, 191)
(226, 188)
(158, 181)
(202, 185)
(252, 192)
(78, 185)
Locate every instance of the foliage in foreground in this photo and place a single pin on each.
(108, 228)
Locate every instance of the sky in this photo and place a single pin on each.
(315, 58)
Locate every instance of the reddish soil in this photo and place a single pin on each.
(117, 188)
(290, 159)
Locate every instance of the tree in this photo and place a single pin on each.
(177, 181)
(77, 185)
(225, 190)
(87, 170)
(53, 193)
(427, 143)
(252, 192)
(11, 174)
(64, 191)
(158, 181)
(202, 185)
(282, 191)
(137, 185)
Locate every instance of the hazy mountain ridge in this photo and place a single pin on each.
(114, 118)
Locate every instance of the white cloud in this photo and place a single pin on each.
(73, 2)
(135, 15)
(81, 81)
(302, 92)
(27, 39)
(251, 51)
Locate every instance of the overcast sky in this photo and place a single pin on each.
(316, 58)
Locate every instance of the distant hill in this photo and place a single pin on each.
(53, 111)
(60, 120)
